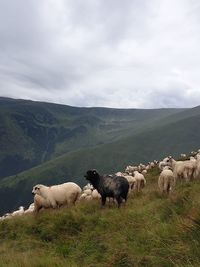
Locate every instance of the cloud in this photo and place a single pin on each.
(123, 54)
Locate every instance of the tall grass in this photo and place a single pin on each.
(150, 230)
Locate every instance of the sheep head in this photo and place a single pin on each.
(36, 189)
(92, 176)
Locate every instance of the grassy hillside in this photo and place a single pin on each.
(151, 230)
(34, 132)
(175, 138)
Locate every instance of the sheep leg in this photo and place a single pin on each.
(103, 201)
(119, 201)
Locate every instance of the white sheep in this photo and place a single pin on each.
(58, 195)
(131, 180)
(6, 216)
(83, 196)
(183, 169)
(192, 159)
(144, 172)
(40, 203)
(88, 198)
(197, 169)
(183, 156)
(30, 209)
(88, 186)
(166, 180)
(95, 194)
(130, 169)
(18, 212)
(140, 180)
(87, 191)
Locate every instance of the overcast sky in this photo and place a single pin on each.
(111, 53)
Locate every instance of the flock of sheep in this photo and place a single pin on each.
(114, 187)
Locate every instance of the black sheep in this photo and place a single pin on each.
(109, 186)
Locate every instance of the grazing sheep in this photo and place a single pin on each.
(88, 197)
(95, 194)
(58, 195)
(197, 169)
(130, 169)
(131, 180)
(183, 169)
(166, 181)
(88, 191)
(144, 172)
(30, 209)
(18, 212)
(190, 166)
(6, 216)
(192, 159)
(140, 180)
(116, 187)
(183, 156)
(83, 196)
(88, 186)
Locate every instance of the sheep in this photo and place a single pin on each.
(58, 195)
(130, 169)
(152, 164)
(95, 194)
(18, 212)
(31, 208)
(141, 167)
(88, 186)
(190, 166)
(88, 197)
(156, 162)
(144, 172)
(6, 216)
(183, 156)
(192, 159)
(163, 163)
(40, 203)
(140, 180)
(120, 174)
(83, 196)
(197, 169)
(183, 169)
(166, 180)
(131, 180)
(116, 187)
(88, 191)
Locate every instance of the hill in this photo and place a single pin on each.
(151, 230)
(173, 137)
(32, 133)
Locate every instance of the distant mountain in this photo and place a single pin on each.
(144, 136)
(34, 132)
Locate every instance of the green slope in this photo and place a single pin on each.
(151, 230)
(174, 138)
(34, 132)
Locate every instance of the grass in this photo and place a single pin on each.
(150, 230)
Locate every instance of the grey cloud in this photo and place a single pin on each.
(131, 54)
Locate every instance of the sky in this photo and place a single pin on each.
(105, 53)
